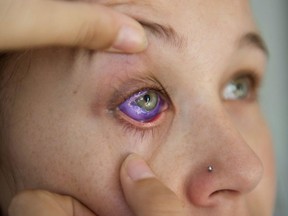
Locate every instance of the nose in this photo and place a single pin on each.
(227, 168)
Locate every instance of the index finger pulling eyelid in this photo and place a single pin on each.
(81, 24)
(98, 27)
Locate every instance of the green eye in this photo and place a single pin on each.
(148, 101)
(238, 89)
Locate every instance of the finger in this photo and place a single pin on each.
(44, 203)
(35, 23)
(145, 194)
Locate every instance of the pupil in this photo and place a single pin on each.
(148, 101)
(147, 98)
(239, 86)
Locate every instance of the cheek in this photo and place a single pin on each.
(57, 143)
(74, 153)
(266, 190)
(262, 199)
(77, 157)
(254, 130)
(61, 148)
(54, 142)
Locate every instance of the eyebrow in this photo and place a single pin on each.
(178, 41)
(165, 32)
(254, 39)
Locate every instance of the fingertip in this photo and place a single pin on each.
(143, 191)
(136, 168)
(94, 26)
(112, 31)
(130, 40)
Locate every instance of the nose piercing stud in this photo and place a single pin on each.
(210, 169)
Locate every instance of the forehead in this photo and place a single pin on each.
(211, 30)
(194, 6)
(190, 15)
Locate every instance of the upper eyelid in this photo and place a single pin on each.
(132, 86)
(255, 77)
(154, 88)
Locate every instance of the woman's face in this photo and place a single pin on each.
(188, 102)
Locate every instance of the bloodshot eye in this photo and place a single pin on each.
(143, 106)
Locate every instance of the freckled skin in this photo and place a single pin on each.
(60, 134)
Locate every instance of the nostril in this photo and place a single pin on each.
(224, 192)
(220, 196)
(215, 198)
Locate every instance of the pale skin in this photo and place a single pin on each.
(65, 135)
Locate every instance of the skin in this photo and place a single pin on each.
(144, 192)
(62, 133)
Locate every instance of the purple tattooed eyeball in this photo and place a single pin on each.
(143, 106)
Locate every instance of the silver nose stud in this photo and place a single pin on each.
(210, 168)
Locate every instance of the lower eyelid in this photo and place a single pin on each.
(142, 125)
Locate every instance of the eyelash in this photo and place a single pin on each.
(161, 90)
(136, 131)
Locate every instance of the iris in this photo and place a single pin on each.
(238, 89)
(143, 106)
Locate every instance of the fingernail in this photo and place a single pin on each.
(137, 169)
(130, 39)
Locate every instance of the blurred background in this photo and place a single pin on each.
(272, 19)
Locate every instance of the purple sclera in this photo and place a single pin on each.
(132, 109)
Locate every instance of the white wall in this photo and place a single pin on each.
(272, 18)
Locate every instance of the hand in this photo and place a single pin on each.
(38, 23)
(44, 203)
(145, 195)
